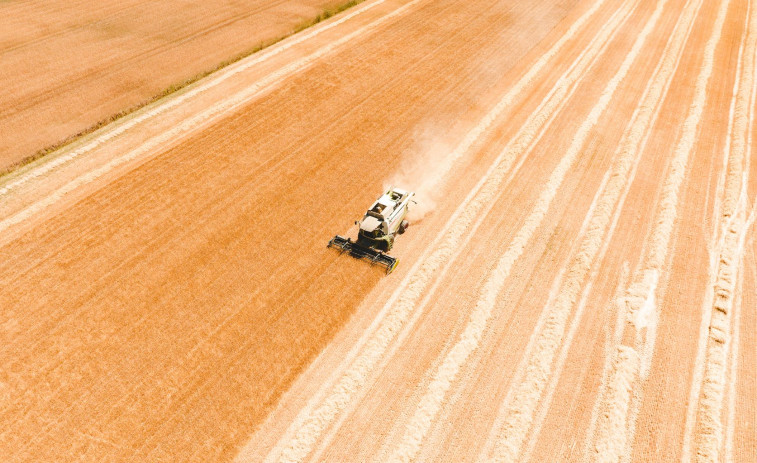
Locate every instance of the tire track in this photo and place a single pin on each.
(630, 364)
(709, 435)
(300, 439)
(733, 224)
(445, 375)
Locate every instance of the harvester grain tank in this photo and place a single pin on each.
(383, 221)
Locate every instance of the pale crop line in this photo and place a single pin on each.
(164, 105)
(562, 358)
(709, 429)
(645, 116)
(733, 157)
(517, 414)
(430, 404)
(735, 342)
(709, 432)
(612, 339)
(645, 345)
(635, 137)
(714, 247)
(733, 368)
(613, 435)
(616, 173)
(229, 104)
(392, 317)
(720, 320)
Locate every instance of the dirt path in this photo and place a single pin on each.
(579, 287)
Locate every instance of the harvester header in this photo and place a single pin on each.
(383, 221)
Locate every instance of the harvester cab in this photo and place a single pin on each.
(383, 221)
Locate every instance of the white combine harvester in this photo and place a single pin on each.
(378, 228)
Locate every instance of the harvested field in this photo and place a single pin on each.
(579, 282)
(67, 66)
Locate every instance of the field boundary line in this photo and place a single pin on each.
(325, 13)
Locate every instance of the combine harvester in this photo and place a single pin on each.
(383, 221)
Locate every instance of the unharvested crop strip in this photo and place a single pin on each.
(59, 146)
(163, 106)
(432, 400)
(310, 424)
(629, 363)
(733, 223)
(238, 100)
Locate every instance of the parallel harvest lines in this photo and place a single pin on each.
(631, 363)
(733, 224)
(517, 412)
(583, 290)
(435, 394)
(714, 247)
(469, 142)
(308, 426)
(635, 140)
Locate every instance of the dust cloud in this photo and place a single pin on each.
(423, 169)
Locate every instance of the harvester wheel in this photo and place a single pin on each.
(389, 243)
(403, 226)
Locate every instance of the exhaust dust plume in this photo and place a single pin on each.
(423, 170)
